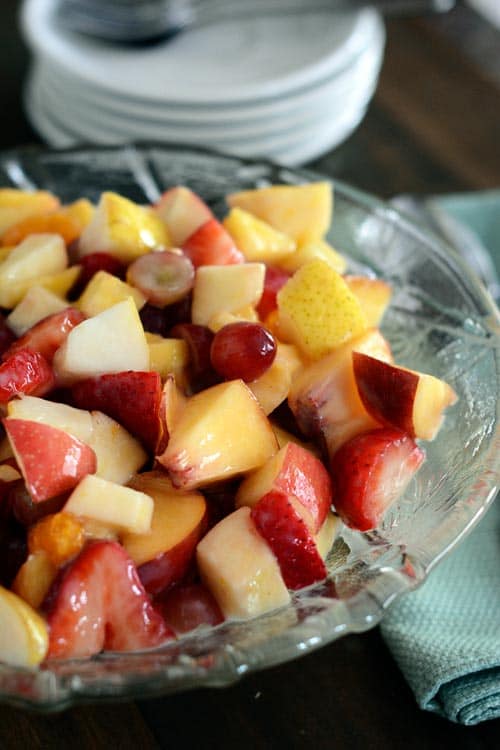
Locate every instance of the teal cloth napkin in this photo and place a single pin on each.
(446, 635)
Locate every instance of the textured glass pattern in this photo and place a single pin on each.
(441, 321)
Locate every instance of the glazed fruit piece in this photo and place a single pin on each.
(16, 205)
(49, 334)
(239, 569)
(24, 633)
(290, 540)
(274, 279)
(374, 296)
(189, 606)
(411, 401)
(119, 455)
(36, 256)
(226, 289)
(130, 397)
(256, 239)
(75, 421)
(211, 245)
(370, 472)
(51, 460)
(38, 303)
(297, 474)
(93, 263)
(183, 212)
(25, 372)
(97, 603)
(242, 350)
(105, 290)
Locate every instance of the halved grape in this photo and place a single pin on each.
(242, 350)
(163, 277)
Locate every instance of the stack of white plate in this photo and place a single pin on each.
(287, 88)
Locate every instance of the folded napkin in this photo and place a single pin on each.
(446, 635)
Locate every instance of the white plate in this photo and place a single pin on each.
(230, 61)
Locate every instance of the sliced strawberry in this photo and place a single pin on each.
(210, 244)
(370, 472)
(25, 372)
(289, 539)
(188, 606)
(274, 279)
(51, 460)
(47, 336)
(97, 603)
(132, 398)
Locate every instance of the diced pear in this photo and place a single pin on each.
(313, 250)
(105, 290)
(226, 289)
(317, 311)
(169, 356)
(77, 422)
(59, 283)
(112, 341)
(303, 212)
(240, 570)
(120, 507)
(36, 256)
(272, 388)
(16, 205)
(25, 640)
(119, 455)
(221, 432)
(123, 229)
(256, 239)
(36, 305)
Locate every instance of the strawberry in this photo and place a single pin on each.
(132, 398)
(210, 244)
(25, 372)
(47, 336)
(289, 539)
(98, 602)
(370, 472)
(274, 279)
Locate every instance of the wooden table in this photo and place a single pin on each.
(434, 126)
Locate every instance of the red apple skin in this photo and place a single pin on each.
(46, 336)
(387, 392)
(274, 279)
(173, 565)
(211, 244)
(132, 398)
(51, 460)
(187, 606)
(370, 472)
(290, 540)
(25, 372)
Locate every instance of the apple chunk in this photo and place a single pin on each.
(226, 288)
(164, 554)
(75, 421)
(411, 401)
(119, 454)
(112, 341)
(222, 432)
(300, 476)
(51, 460)
(183, 212)
(238, 567)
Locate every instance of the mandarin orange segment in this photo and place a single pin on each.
(59, 535)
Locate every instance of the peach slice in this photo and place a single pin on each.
(411, 401)
(222, 432)
(374, 296)
(183, 212)
(272, 388)
(256, 239)
(238, 567)
(300, 476)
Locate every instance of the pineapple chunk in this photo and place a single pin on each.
(317, 311)
(256, 239)
(169, 356)
(313, 250)
(303, 212)
(60, 283)
(226, 289)
(105, 290)
(16, 205)
(123, 229)
(81, 212)
(36, 305)
(36, 256)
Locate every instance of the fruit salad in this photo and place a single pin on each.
(191, 409)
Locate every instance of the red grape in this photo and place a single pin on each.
(91, 264)
(188, 606)
(242, 350)
(163, 277)
(199, 340)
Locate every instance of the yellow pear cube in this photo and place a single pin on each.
(206, 442)
(317, 311)
(123, 229)
(303, 212)
(313, 250)
(36, 305)
(256, 239)
(17, 205)
(105, 290)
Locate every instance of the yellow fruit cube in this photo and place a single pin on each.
(34, 257)
(272, 388)
(81, 212)
(303, 212)
(313, 250)
(374, 297)
(36, 304)
(105, 290)
(223, 318)
(169, 356)
(317, 311)
(123, 229)
(16, 205)
(256, 239)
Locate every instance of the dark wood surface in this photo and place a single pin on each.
(434, 126)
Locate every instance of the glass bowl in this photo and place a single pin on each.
(441, 321)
